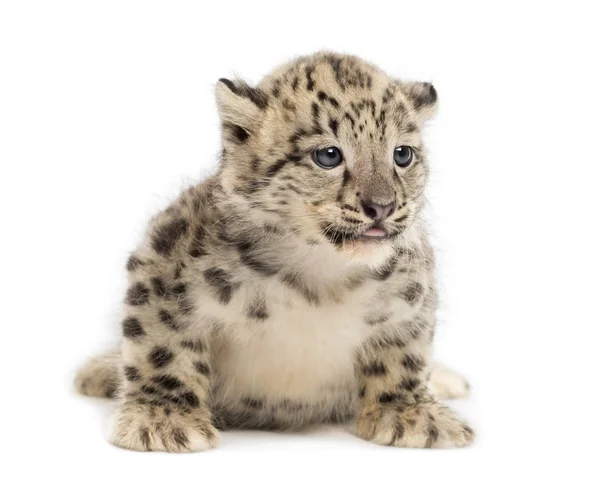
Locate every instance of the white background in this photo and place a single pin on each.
(107, 110)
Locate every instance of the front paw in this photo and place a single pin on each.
(149, 427)
(428, 424)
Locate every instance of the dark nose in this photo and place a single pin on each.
(378, 212)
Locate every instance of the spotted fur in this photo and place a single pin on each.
(256, 301)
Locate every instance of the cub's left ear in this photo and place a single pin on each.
(423, 97)
(239, 104)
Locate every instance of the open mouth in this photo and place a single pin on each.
(374, 234)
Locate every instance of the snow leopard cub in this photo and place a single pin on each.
(296, 285)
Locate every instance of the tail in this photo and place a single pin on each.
(448, 384)
(100, 377)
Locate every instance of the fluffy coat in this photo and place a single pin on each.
(255, 299)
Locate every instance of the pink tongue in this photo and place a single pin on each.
(376, 232)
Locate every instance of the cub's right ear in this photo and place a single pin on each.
(239, 104)
(423, 97)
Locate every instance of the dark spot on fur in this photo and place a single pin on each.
(111, 390)
(386, 398)
(412, 293)
(376, 368)
(398, 430)
(167, 381)
(295, 189)
(145, 438)
(385, 341)
(195, 345)
(160, 356)
(257, 309)
(346, 178)
(255, 163)
(348, 117)
(315, 113)
(296, 160)
(432, 435)
(253, 403)
(410, 127)
(324, 97)
(166, 236)
(276, 90)
(385, 271)
(413, 363)
(310, 82)
(197, 247)
(185, 304)
(416, 327)
(291, 406)
(409, 253)
(300, 133)
(132, 374)
(149, 389)
(253, 260)
(296, 283)
(288, 105)
(178, 289)
(158, 286)
(275, 167)
(137, 294)
(202, 368)
(377, 318)
(239, 133)
(179, 437)
(410, 384)
(221, 282)
(190, 399)
(168, 320)
(333, 125)
(401, 218)
(132, 328)
(133, 263)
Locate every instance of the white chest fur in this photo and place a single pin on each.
(300, 352)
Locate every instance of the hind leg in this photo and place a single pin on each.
(396, 406)
(99, 377)
(448, 384)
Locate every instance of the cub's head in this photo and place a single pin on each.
(330, 147)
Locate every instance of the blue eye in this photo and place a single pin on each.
(329, 157)
(403, 156)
